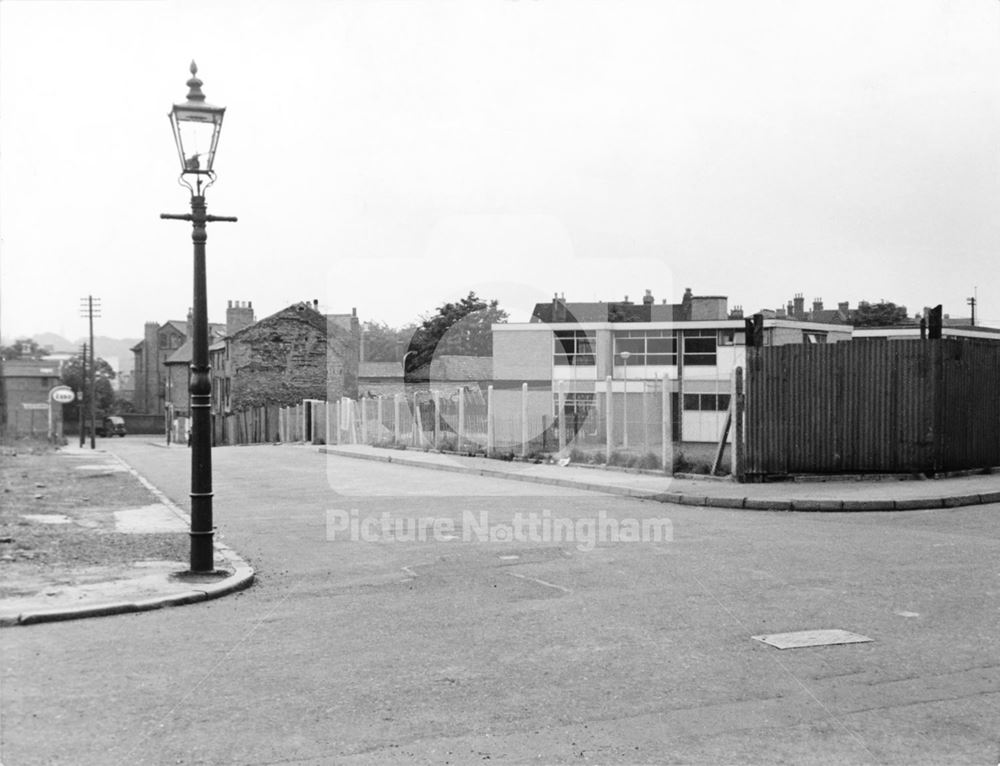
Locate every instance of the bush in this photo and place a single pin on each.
(537, 456)
(618, 458)
(681, 463)
(577, 456)
(649, 462)
(598, 458)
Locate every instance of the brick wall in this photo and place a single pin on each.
(280, 360)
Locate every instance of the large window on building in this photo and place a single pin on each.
(573, 347)
(706, 402)
(646, 347)
(699, 347)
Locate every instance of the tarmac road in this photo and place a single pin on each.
(448, 651)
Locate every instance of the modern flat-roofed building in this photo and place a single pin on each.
(585, 348)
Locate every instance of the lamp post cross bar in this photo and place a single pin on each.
(206, 218)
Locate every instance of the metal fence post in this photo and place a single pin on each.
(561, 415)
(380, 412)
(666, 427)
(461, 417)
(437, 420)
(491, 435)
(608, 419)
(524, 420)
(395, 419)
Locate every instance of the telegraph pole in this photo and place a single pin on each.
(90, 304)
(972, 302)
(81, 394)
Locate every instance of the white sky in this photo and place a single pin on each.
(391, 156)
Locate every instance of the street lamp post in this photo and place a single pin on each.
(196, 126)
(625, 355)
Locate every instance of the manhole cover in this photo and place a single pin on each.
(804, 638)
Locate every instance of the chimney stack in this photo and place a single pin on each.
(817, 304)
(558, 308)
(239, 314)
(648, 299)
(799, 306)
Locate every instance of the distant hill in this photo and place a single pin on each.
(57, 342)
(117, 351)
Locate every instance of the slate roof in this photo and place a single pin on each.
(29, 368)
(390, 370)
(185, 353)
(458, 368)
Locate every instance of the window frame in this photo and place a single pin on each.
(635, 339)
(574, 348)
(701, 358)
(707, 402)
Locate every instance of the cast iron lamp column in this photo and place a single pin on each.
(196, 126)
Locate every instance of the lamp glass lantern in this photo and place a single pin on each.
(196, 125)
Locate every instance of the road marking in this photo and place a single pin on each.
(540, 582)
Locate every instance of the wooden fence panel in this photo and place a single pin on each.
(873, 406)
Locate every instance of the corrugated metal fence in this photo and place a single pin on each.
(873, 406)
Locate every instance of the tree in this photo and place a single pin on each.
(23, 348)
(383, 343)
(881, 314)
(72, 376)
(457, 328)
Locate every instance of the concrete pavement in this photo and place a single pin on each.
(829, 495)
(132, 586)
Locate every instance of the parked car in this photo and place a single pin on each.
(113, 425)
